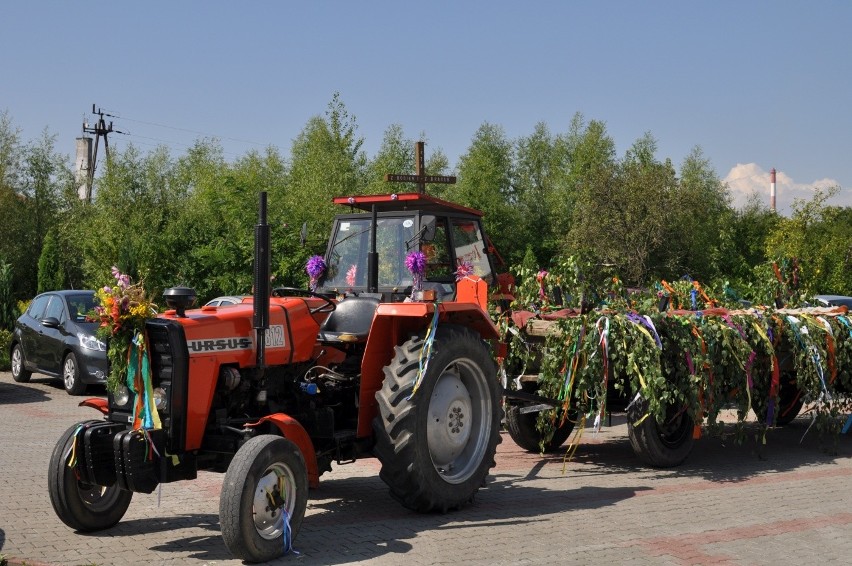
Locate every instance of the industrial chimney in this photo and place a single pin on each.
(772, 189)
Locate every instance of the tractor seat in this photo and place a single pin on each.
(350, 321)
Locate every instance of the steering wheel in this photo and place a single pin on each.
(328, 305)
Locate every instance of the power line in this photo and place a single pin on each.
(197, 132)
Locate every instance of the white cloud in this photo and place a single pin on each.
(746, 179)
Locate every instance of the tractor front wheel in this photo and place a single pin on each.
(437, 444)
(81, 506)
(264, 496)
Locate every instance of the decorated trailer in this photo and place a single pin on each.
(672, 370)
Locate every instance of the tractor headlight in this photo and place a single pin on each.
(161, 401)
(121, 395)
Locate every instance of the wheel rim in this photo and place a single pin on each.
(69, 372)
(96, 497)
(676, 429)
(459, 421)
(275, 493)
(17, 361)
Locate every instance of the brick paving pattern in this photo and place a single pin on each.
(786, 502)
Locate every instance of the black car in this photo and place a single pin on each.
(53, 338)
(833, 301)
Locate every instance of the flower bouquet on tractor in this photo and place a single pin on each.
(122, 310)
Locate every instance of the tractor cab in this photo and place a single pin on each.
(368, 247)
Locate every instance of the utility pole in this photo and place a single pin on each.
(100, 129)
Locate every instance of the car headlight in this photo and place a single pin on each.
(90, 342)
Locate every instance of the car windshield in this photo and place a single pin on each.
(79, 305)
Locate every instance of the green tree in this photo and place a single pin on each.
(621, 210)
(51, 273)
(698, 214)
(544, 201)
(13, 212)
(745, 243)
(818, 237)
(326, 161)
(485, 183)
(8, 312)
(43, 179)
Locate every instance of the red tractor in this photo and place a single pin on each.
(273, 391)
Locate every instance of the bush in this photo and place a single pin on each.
(7, 304)
(5, 342)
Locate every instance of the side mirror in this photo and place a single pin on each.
(427, 227)
(50, 322)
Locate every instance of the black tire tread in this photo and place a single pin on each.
(646, 442)
(522, 429)
(24, 375)
(237, 531)
(396, 431)
(78, 388)
(61, 486)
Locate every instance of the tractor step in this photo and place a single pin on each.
(344, 447)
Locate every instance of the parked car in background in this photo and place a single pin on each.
(225, 301)
(834, 301)
(53, 337)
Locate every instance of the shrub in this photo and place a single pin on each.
(5, 342)
(7, 304)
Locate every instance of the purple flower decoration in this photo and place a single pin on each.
(416, 264)
(351, 275)
(315, 269)
(465, 269)
(122, 279)
(540, 277)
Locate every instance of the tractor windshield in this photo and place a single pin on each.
(446, 241)
(347, 262)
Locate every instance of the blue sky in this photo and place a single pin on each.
(755, 84)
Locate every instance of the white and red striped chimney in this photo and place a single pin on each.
(772, 189)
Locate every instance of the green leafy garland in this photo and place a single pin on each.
(699, 361)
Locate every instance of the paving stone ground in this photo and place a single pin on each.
(788, 502)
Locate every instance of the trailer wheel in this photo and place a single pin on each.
(660, 445)
(82, 506)
(264, 496)
(522, 429)
(437, 445)
(790, 400)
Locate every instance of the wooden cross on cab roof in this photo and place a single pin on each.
(420, 177)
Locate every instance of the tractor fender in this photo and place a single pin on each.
(292, 430)
(96, 403)
(393, 324)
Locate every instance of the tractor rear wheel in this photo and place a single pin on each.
(662, 445)
(523, 429)
(82, 506)
(437, 444)
(263, 500)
